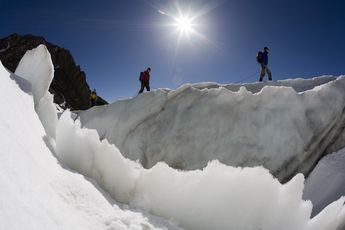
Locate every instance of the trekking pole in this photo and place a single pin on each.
(247, 78)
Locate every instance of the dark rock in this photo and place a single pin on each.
(69, 85)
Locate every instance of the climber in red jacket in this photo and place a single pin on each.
(145, 80)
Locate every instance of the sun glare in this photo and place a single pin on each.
(187, 21)
(184, 24)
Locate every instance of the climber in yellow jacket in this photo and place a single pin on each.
(93, 98)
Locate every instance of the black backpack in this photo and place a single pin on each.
(259, 57)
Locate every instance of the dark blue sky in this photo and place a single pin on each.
(113, 40)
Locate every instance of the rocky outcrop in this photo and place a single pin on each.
(69, 85)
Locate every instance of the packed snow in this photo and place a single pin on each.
(285, 126)
(41, 194)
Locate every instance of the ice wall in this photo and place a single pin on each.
(217, 197)
(284, 126)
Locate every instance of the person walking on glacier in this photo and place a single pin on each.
(145, 80)
(262, 58)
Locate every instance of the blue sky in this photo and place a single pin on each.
(113, 40)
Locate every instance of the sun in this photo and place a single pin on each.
(184, 24)
(187, 21)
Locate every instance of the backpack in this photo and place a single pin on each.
(259, 58)
(141, 76)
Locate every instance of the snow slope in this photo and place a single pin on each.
(217, 197)
(36, 191)
(285, 126)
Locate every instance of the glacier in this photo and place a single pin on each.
(217, 196)
(285, 126)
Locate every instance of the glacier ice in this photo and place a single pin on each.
(285, 126)
(218, 196)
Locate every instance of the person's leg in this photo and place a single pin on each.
(269, 73)
(148, 86)
(141, 88)
(262, 73)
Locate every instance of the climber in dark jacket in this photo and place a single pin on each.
(145, 80)
(264, 65)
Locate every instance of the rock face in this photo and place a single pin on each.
(69, 85)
